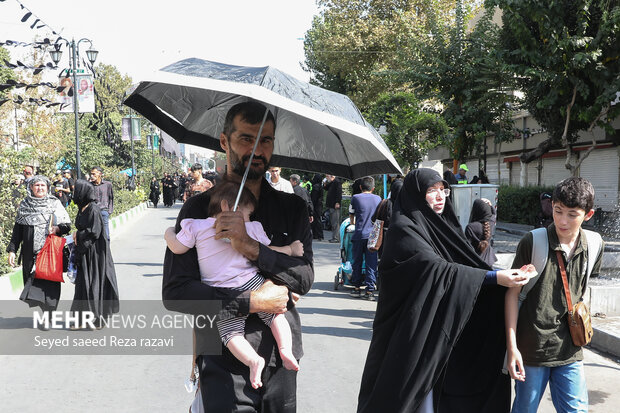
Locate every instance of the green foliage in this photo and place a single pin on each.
(556, 47)
(124, 200)
(10, 197)
(460, 71)
(519, 205)
(5, 72)
(411, 131)
(354, 47)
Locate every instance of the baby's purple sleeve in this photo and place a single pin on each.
(186, 236)
(258, 233)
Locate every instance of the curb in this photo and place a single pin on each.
(606, 342)
(118, 221)
(11, 284)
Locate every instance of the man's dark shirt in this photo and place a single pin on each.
(334, 193)
(105, 196)
(302, 192)
(285, 219)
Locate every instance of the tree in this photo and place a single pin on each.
(411, 130)
(460, 72)
(39, 129)
(354, 47)
(6, 73)
(565, 54)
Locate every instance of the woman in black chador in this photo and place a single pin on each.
(478, 231)
(32, 226)
(155, 191)
(95, 284)
(438, 336)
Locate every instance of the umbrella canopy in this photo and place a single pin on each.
(316, 129)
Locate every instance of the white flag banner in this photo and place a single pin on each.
(85, 93)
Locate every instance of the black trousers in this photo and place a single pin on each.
(224, 391)
(317, 225)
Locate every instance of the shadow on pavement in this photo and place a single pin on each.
(352, 313)
(597, 397)
(15, 323)
(359, 333)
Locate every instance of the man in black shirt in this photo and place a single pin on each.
(70, 180)
(105, 196)
(302, 192)
(224, 380)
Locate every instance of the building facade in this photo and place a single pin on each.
(503, 166)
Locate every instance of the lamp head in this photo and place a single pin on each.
(92, 55)
(55, 54)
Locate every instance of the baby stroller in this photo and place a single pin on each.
(345, 271)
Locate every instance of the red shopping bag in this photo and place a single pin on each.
(49, 259)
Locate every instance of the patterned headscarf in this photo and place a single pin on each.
(37, 212)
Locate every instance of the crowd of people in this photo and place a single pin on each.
(445, 322)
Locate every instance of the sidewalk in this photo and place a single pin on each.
(604, 299)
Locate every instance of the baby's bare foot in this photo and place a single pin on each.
(256, 370)
(288, 360)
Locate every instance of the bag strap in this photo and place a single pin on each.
(540, 252)
(569, 302)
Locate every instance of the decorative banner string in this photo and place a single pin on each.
(10, 83)
(37, 23)
(37, 45)
(20, 65)
(19, 100)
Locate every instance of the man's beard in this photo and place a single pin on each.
(238, 166)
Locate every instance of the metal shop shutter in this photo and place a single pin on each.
(492, 169)
(532, 173)
(553, 171)
(515, 173)
(601, 168)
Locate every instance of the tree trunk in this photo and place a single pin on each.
(540, 150)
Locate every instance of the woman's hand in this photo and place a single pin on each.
(12, 259)
(55, 230)
(516, 278)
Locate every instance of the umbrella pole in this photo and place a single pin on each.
(247, 169)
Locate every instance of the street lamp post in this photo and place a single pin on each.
(16, 131)
(153, 149)
(91, 54)
(132, 178)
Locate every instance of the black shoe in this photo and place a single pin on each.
(370, 296)
(356, 293)
(333, 240)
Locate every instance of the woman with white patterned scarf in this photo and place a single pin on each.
(35, 215)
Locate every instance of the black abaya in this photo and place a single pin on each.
(95, 285)
(436, 327)
(154, 195)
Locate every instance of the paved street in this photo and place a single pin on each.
(337, 332)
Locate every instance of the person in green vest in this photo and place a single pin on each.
(306, 183)
(460, 177)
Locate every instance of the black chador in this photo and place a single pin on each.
(436, 326)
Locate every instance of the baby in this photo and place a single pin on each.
(222, 266)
